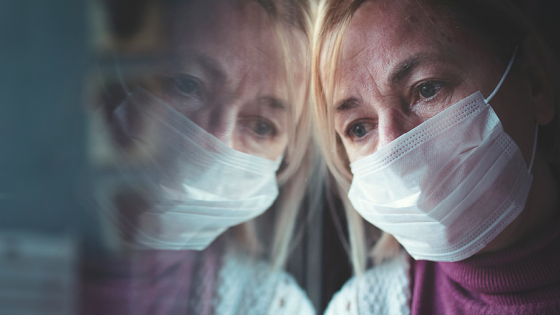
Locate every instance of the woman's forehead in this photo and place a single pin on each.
(388, 43)
(381, 24)
(383, 34)
(374, 25)
(219, 21)
(241, 40)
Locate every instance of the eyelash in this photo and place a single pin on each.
(353, 138)
(416, 89)
(183, 101)
(197, 89)
(251, 122)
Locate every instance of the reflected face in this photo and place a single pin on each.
(224, 74)
(402, 63)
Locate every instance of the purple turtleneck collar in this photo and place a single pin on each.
(523, 279)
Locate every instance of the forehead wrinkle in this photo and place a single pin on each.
(244, 77)
(244, 85)
(400, 5)
(425, 12)
(372, 82)
(356, 55)
(264, 53)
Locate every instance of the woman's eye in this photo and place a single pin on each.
(184, 93)
(429, 89)
(359, 131)
(261, 128)
(186, 85)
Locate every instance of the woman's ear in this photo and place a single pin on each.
(536, 71)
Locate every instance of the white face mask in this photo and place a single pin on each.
(449, 186)
(197, 185)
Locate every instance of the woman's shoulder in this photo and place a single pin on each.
(383, 289)
(250, 286)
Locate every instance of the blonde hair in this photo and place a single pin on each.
(292, 22)
(332, 22)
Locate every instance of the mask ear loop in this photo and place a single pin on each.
(503, 77)
(496, 91)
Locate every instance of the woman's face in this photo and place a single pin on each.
(403, 62)
(223, 73)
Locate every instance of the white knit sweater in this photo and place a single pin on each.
(383, 289)
(249, 287)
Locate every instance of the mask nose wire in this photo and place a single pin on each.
(503, 77)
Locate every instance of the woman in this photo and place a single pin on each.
(213, 129)
(441, 128)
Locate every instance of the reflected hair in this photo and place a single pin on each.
(292, 22)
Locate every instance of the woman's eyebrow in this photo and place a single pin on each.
(347, 104)
(208, 64)
(273, 103)
(401, 71)
(191, 58)
(405, 68)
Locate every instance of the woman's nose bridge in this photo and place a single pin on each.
(393, 123)
(219, 121)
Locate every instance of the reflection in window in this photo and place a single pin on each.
(202, 145)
